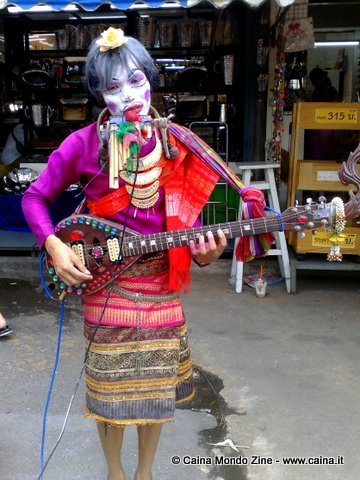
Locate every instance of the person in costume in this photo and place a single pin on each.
(135, 172)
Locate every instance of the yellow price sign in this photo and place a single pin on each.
(321, 239)
(336, 115)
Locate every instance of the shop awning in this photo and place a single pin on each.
(252, 3)
(91, 5)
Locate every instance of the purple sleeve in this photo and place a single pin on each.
(62, 170)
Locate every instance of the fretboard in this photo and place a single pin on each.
(141, 244)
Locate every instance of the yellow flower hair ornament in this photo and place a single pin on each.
(111, 38)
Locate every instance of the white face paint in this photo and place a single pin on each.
(129, 89)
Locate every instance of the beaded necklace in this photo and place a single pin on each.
(142, 183)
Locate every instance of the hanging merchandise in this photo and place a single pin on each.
(262, 69)
(295, 74)
(299, 35)
(279, 97)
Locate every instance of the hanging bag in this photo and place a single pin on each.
(299, 35)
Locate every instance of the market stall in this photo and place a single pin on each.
(45, 49)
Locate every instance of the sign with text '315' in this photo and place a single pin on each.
(336, 115)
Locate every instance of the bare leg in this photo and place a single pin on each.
(111, 441)
(148, 439)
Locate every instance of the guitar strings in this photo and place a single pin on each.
(271, 222)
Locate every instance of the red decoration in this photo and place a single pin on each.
(76, 235)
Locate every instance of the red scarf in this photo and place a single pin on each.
(188, 184)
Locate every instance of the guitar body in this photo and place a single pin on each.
(97, 244)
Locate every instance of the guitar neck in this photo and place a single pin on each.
(141, 244)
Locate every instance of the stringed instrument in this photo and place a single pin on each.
(107, 249)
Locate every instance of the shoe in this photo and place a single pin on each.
(5, 331)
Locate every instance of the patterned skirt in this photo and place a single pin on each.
(136, 374)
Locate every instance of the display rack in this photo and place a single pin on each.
(189, 41)
(320, 176)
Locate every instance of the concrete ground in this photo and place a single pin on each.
(277, 376)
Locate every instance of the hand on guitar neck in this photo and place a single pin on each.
(207, 251)
(68, 266)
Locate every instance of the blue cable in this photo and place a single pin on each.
(279, 215)
(56, 361)
(42, 277)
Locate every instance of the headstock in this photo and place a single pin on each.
(310, 216)
(350, 174)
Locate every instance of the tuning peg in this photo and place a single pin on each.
(301, 234)
(311, 224)
(313, 232)
(309, 201)
(322, 200)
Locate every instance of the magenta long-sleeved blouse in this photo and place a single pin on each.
(77, 160)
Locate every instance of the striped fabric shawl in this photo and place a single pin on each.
(253, 198)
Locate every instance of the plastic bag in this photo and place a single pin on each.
(299, 35)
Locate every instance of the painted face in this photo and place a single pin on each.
(128, 90)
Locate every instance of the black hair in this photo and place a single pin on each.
(317, 73)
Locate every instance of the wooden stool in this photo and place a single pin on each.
(269, 184)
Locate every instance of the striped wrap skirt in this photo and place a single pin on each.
(138, 363)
